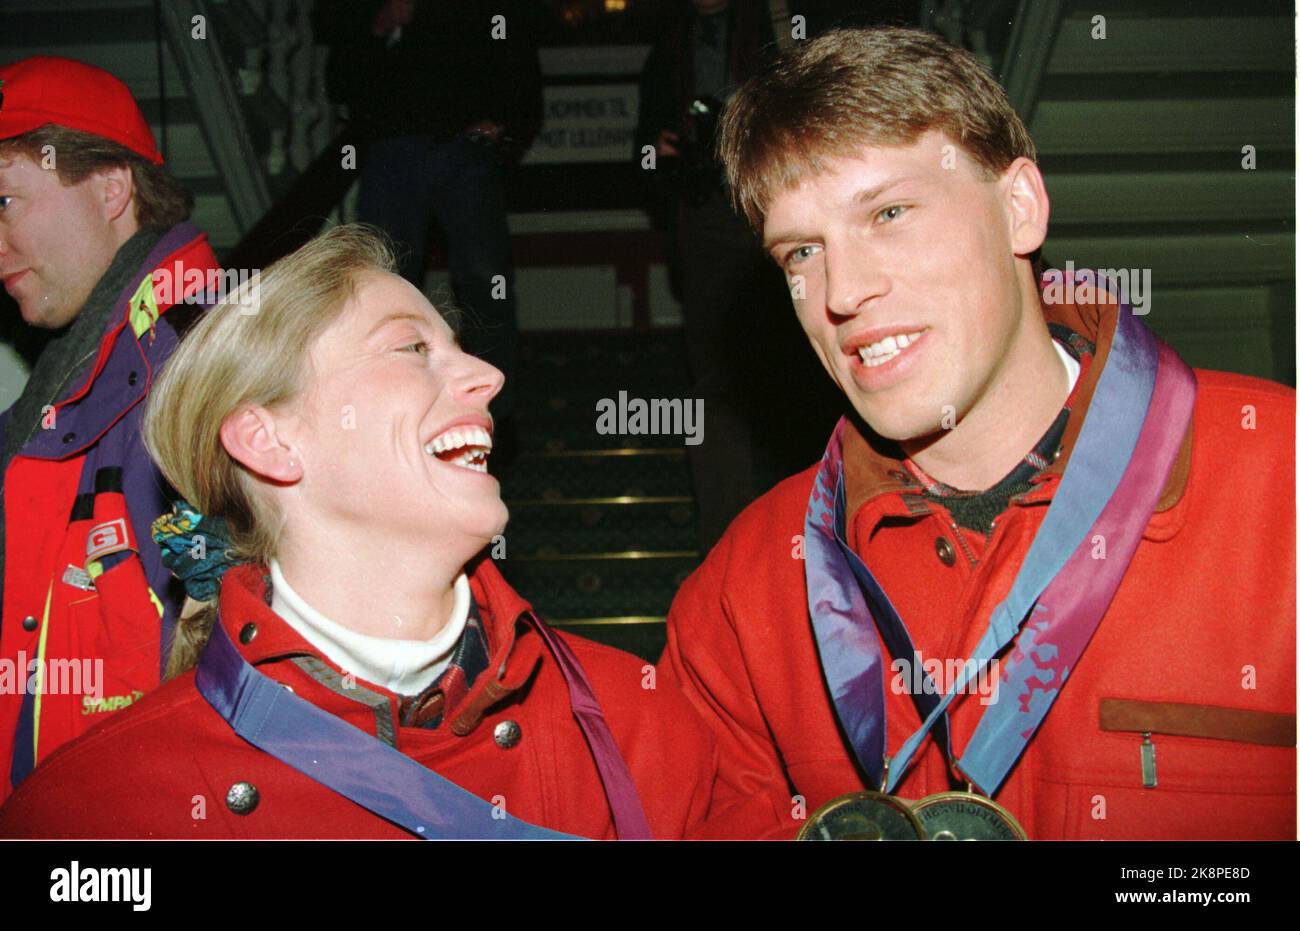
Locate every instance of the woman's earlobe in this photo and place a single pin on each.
(251, 438)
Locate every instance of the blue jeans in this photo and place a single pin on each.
(409, 183)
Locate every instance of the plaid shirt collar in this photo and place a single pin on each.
(468, 659)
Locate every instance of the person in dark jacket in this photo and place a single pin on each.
(448, 94)
(734, 302)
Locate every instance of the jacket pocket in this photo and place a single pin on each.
(123, 625)
(1183, 770)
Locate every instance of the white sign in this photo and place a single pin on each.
(586, 123)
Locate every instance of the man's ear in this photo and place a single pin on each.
(115, 191)
(250, 436)
(1027, 206)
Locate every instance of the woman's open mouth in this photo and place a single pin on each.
(466, 446)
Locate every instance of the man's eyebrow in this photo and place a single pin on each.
(867, 195)
(860, 198)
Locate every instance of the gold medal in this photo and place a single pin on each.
(966, 816)
(863, 816)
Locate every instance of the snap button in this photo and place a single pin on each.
(30, 623)
(69, 437)
(242, 798)
(947, 555)
(132, 378)
(247, 633)
(506, 734)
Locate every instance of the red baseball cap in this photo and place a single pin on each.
(44, 89)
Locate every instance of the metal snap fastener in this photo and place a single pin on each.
(30, 623)
(247, 633)
(507, 734)
(69, 437)
(132, 378)
(242, 798)
(947, 555)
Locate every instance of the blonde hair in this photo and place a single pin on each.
(251, 348)
(852, 88)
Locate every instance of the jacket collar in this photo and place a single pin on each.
(262, 636)
(874, 466)
(123, 369)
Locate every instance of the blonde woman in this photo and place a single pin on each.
(362, 670)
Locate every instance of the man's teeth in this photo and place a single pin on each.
(477, 443)
(880, 352)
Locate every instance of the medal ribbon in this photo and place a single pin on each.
(843, 620)
(383, 780)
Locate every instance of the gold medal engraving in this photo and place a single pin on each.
(966, 816)
(863, 816)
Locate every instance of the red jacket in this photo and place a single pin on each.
(1204, 618)
(86, 596)
(162, 767)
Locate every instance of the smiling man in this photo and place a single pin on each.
(1024, 493)
(91, 226)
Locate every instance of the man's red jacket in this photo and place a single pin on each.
(1197, 649)
(88, 603)
(163, 767)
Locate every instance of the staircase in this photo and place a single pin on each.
(602, 528)
(236, 115)
(1140, 138)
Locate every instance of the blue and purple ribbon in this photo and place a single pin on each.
(1130, 438)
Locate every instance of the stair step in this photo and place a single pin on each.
(1241, 258)
(1232, 195)
(1200, 86)
(645, 637)
(1164, 126)
(136, 63)
(599, 588)
(1178, 9)
(596, 478)
(1226, 328)
(1157, 163)
(1186, 43)
(539, 531)
(95, 24)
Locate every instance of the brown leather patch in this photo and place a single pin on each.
(1211, 721)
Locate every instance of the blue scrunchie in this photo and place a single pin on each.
(195, 548)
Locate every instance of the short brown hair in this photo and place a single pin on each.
(852, 88)
(160, 200)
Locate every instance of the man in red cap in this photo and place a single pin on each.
(95, 244)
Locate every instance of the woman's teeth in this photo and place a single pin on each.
(475, 441)
(880, 352)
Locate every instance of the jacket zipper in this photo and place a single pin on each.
(961, 541)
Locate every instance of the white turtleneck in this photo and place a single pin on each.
(406, 667)
(1070, 362)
